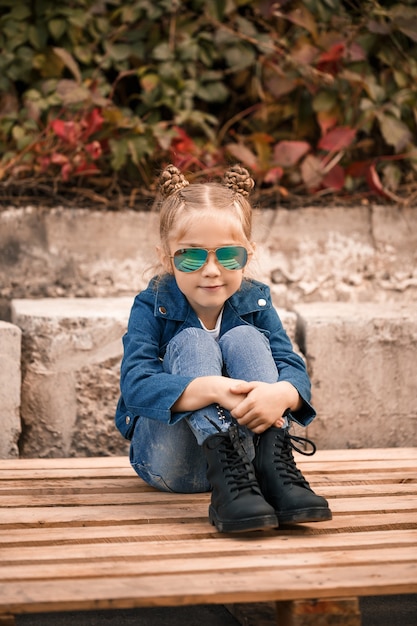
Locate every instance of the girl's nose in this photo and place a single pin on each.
(211, 267)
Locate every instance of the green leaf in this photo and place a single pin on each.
(83, 54)
(118, 148)
(240, 57)
(138, 147)
(391, 176)
(118, 52)
(324, 101)
(405, 19)
(37, 36)
(69, 61)
(213, 92)
(394, 131)
(71, 92)
(162, 52)
(57, 28)
(20, 11)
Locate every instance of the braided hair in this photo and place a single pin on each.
(237, 178)
(181, 202)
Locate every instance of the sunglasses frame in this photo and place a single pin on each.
(182, 250)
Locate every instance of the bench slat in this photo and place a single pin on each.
(205, 588)
(127, 537)
(125, 565)
(108, 462)
(177, 508)
(92, 497)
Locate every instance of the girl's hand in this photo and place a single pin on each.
(264, 404)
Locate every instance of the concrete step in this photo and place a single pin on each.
(10, 379)
(361, 358)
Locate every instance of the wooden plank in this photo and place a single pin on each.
(93, 497)
(391, 457)
(374, 482)
(178, 508)
(360, 454)
(350, 454)
(223, 545)
(203, 588)
(103, 462)
(16, 542)
(112, 532)
(102, 566)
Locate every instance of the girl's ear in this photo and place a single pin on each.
(164, 259)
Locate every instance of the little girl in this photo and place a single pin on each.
(209, 379)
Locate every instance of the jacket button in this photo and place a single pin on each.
(127, 419)
(261, 301)
(162, 310)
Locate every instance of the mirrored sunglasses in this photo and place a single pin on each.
(193, 259)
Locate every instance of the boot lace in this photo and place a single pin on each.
(284, 459)
(238, 470)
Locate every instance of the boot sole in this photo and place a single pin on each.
(238, 526)
(306, 515)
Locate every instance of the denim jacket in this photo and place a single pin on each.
(158, 314)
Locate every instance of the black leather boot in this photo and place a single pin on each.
(282, 483)
(237, 503)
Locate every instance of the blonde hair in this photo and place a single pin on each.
(181, 201)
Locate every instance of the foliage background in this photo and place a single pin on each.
(316, 98)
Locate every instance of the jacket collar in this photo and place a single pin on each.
(170, 302)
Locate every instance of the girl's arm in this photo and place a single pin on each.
(206, 390)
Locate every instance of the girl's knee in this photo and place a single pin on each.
(193, 352)
(195, 336)
(243, 336)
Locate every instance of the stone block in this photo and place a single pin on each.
(10, 383)
(362, 363)
(71, 353)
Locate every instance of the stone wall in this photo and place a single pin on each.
(344, 279)
(334, 254)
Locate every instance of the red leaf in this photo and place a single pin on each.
(330, 61)
(92, 123)
(94, 149)
(359, 169)
(86, 169)
(58, 159)
(68, 131)
(335, 53)
(337, 139)
(183, 142)
(66, 171)
(335, 179)
(288, 153)
(273, 175)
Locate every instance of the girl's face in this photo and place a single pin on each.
(208, 288)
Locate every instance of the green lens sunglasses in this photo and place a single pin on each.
(193, 259)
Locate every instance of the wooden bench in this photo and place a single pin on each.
(87, 533)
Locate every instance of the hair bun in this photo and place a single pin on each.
(171, 181)
(239, 179)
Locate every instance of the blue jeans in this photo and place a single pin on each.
(169, 457)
